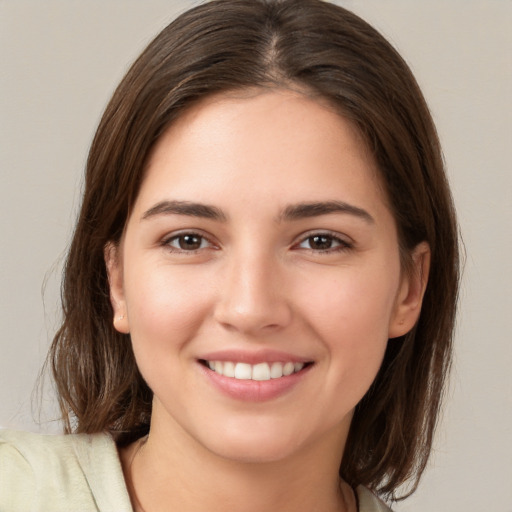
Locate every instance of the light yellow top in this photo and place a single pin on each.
(76, 473)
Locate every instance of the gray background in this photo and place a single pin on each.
(59, 63)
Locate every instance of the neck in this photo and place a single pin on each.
(174, 472)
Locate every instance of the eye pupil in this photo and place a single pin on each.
(320, 242)
(189, 242)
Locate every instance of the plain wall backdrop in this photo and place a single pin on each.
(59, 63)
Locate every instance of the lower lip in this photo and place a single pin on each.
(254, 390)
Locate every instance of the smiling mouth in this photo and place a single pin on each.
(258, 372)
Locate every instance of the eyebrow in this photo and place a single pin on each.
(291, 212)
(185, 208)
(315, 209)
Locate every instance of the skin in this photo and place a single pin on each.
(257, 280)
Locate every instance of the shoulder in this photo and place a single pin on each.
(69, 472)
(368, 502)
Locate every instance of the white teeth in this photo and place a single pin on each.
(242, 371)
(297, 367)
(260, 371)
(228, 369)
(276, 370)
(288, 368)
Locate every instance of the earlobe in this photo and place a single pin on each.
(412, 289)
(115, 280)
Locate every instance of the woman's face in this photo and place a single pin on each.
(259, 276)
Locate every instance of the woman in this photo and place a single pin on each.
(260, 293)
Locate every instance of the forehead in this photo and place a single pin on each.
(268, 142)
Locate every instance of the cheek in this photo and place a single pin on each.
(351, 304)
(350, 315)
(165, 307)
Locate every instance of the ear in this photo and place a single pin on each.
(410, 294)
(114, 266)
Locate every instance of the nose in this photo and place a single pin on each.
(252, 298)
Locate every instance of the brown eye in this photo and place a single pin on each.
(324, 242)
(187, 242)
(320, 242)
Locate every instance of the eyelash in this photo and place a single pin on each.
(176, 237)
(328, 237)
(342, 244)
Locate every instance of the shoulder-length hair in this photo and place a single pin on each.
(323, 49)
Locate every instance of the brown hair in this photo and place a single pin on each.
(328, 51)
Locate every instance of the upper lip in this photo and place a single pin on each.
(253, 357)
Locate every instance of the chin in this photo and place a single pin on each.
(257, 442)
(254, 452)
